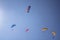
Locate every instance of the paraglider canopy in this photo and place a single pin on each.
(27, 29)
(28, 8)
(44, 29)
(13, 25)
(53, 34)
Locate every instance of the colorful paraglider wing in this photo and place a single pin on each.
(28, 9)
(13, 25)
(53, 34)
(44, 29)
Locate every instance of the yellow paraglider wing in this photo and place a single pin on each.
(44, 29)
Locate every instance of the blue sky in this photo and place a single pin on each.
(43, 13)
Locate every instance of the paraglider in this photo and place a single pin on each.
(44, 29)
(27, 30)
(13, 26)
(28, 9)
(53, 34)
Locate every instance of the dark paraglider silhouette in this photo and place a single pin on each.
(28, 9)
(13, 26)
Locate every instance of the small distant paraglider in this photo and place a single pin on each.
(13, 26)
(28, 9)
(27, 30)
(44, 29)
(53, 34)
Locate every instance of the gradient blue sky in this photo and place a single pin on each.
(43, 13)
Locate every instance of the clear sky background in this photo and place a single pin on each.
(43, 13)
